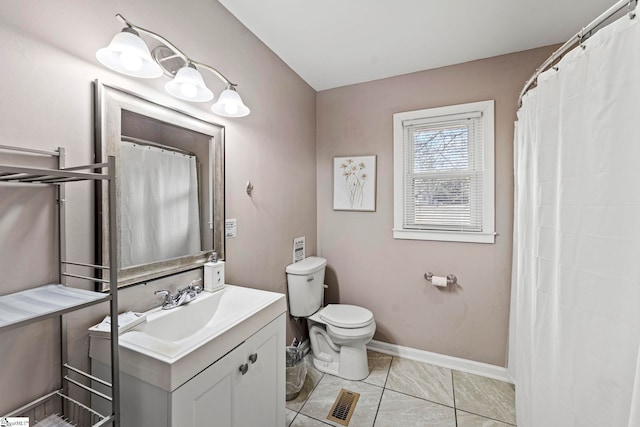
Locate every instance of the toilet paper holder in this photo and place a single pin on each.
(451, 278)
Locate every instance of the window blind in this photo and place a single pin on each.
(443, 173)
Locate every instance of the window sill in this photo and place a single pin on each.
(445, 236)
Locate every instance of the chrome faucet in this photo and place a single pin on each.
(182, 297)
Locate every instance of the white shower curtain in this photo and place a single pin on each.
(576, 263)
(159, 210)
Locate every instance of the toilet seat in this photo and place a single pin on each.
(345, 316)
(351, 333)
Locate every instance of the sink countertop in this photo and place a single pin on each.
(169, 361)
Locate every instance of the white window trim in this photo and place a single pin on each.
(487, 235)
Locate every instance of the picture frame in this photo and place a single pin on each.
(354, 183)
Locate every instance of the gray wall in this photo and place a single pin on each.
(48, 64)
(368, 267)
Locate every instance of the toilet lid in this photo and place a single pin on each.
(346, 316)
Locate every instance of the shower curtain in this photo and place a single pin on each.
(576, 289)
(159, 209)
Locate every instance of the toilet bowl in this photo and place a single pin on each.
(339, 333)
(338, 324)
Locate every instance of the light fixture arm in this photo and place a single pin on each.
(214, 71)
(175, 49)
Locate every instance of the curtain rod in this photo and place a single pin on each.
(156, 145)
(578, 38)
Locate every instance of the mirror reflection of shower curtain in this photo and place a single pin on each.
(159, 212)
(576, 302)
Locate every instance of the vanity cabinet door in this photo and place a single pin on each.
(208, 399)
(245, 388)
(261, 391)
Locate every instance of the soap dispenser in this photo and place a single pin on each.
(213, 275)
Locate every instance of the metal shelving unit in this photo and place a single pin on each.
(18, 309)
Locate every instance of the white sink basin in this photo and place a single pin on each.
(169, 335)
(170, 326)
(174, 345)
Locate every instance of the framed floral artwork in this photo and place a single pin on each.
(354, 183)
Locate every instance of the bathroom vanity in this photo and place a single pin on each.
(219, 360)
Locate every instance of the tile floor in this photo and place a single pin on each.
(402, 392)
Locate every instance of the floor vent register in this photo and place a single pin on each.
(343, 408)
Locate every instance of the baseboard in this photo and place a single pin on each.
(464, 365)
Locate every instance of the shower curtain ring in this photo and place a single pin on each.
(632, 13)
(581, 39)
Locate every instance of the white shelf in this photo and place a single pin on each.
(45, 301)
(54, 421)
(44, 411)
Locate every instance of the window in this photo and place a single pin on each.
(444, 173)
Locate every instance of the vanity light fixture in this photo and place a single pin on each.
(128, 54)
(188, 84)
(230, 104)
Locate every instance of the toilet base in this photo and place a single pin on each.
(346, 361)
(354, 364)
(326, 367)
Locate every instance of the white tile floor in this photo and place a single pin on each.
(402, 392)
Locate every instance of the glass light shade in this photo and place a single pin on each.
(128, 54)
(230, 104)
(189, 85)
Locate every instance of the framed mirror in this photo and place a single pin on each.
(169, 186)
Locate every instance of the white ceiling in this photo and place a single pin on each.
(332, 43)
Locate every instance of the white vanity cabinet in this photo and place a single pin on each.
(245, 388)
(220, 395)
(217, 361)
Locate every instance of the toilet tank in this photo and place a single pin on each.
(305, 282)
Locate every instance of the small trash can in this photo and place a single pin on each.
(296, 371)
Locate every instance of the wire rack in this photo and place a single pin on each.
(21, 308)
(59, 410)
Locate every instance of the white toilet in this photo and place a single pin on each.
(339, 333)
